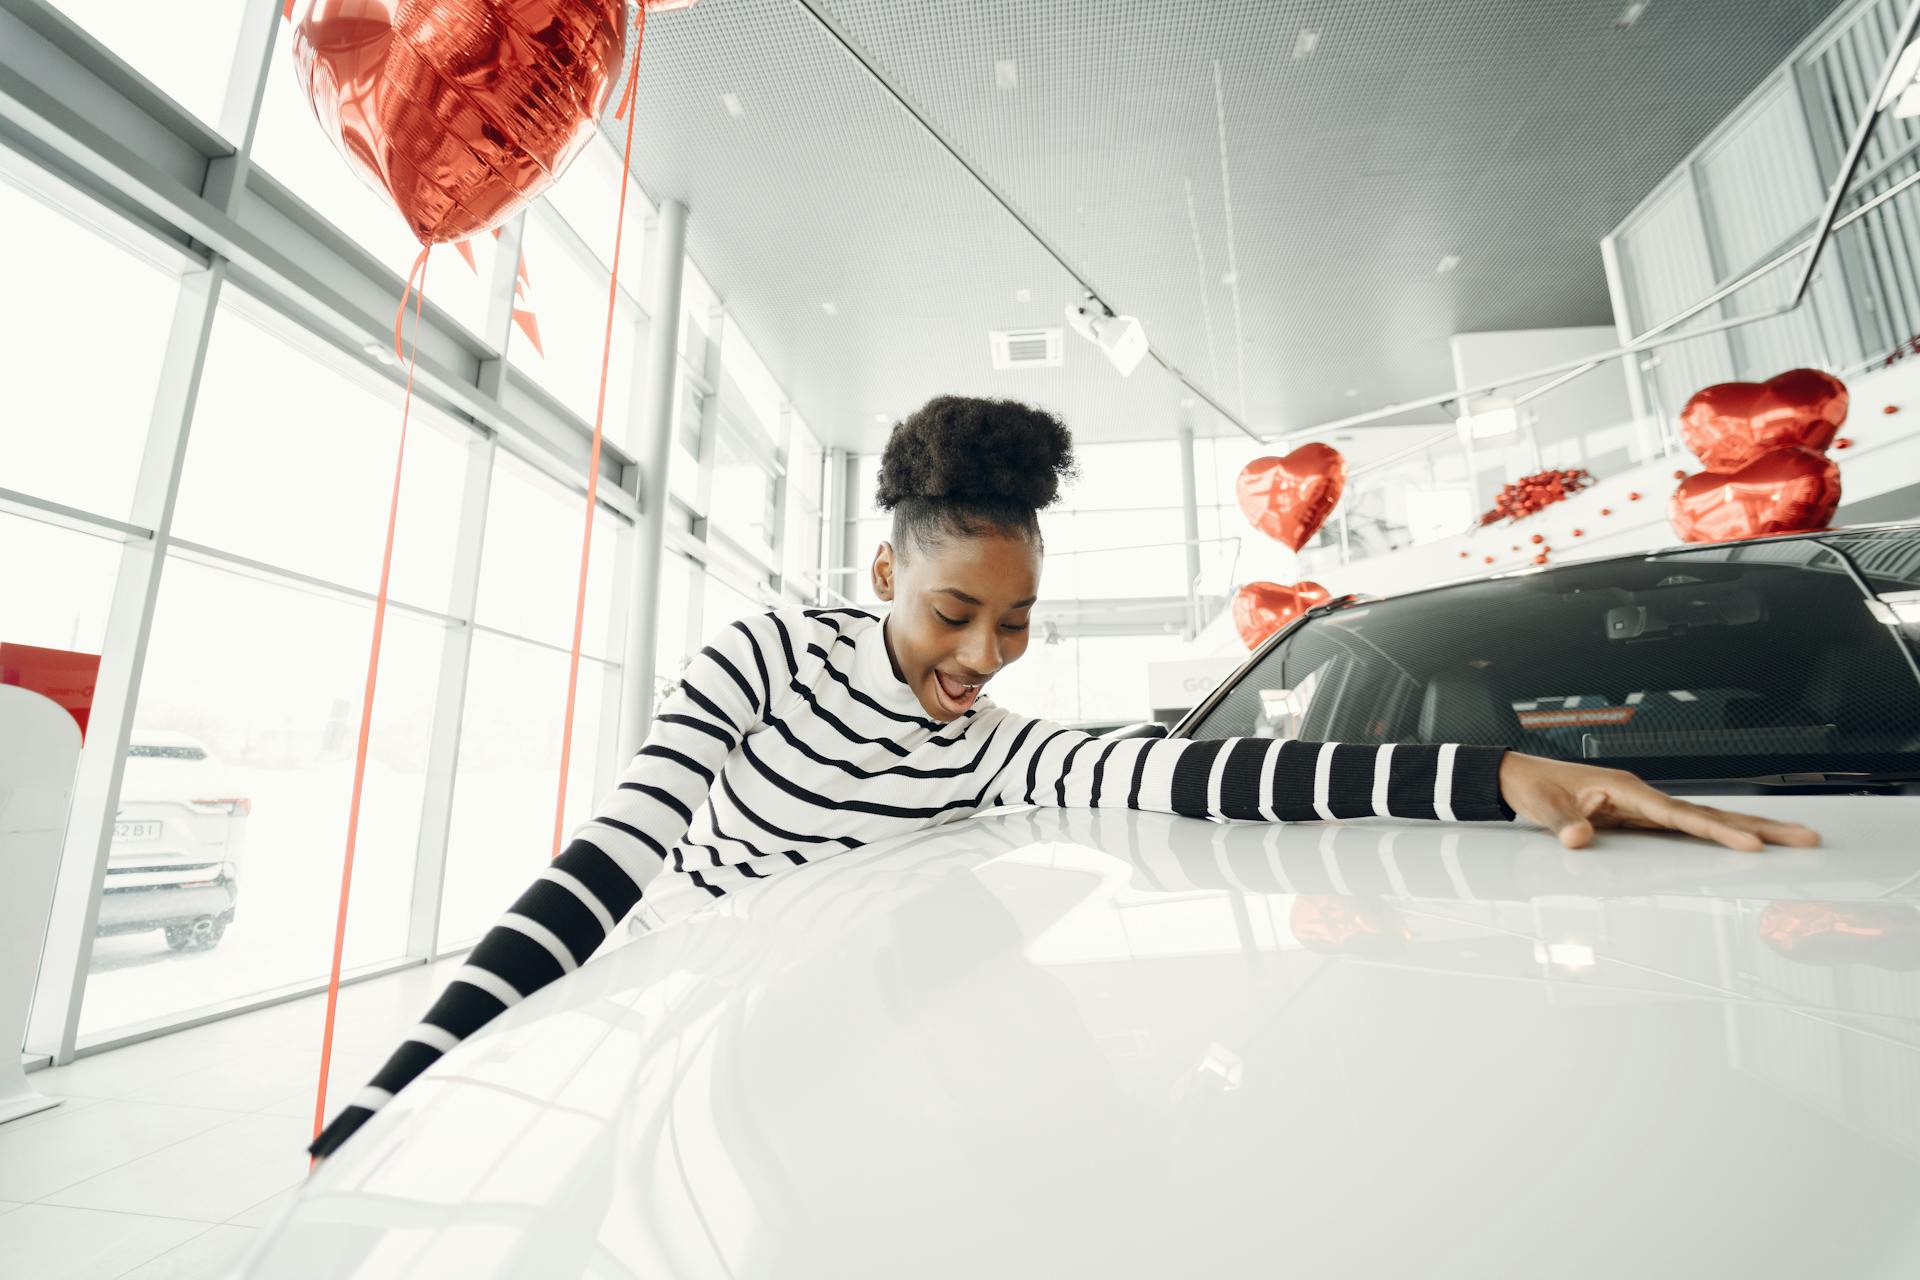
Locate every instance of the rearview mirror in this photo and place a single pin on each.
(1681, 609)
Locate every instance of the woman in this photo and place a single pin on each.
(800, 733)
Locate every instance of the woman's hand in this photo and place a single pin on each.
(1571, 800)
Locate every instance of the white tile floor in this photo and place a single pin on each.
(166, 1157)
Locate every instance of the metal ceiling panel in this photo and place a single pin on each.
(1158, 145)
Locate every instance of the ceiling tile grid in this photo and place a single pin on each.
(1509, 135)
(825, 190)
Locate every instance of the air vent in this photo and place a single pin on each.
(1025, 348)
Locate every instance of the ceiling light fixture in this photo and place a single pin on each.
(1490, 420)
(1448, 263)
(830, 309)
(732, 104)
(1630, 15)
(882, 419)
(1122, 338)
(1305, 43)
(1005, 74)
(1023, 295)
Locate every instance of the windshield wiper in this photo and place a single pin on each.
(1837, 781)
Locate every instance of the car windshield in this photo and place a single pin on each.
(1726, 661)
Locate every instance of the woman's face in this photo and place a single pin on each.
(959, 613)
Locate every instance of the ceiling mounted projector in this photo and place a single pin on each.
(1123, 338)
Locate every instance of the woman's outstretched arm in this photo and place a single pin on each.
(1258, 779)
(1292, 781)
(578, 898)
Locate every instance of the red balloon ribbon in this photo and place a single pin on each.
(418, 296)
(366, 701)
(599, 419)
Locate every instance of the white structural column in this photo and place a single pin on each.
(1190, 514)
(835, 539)
(663, 355)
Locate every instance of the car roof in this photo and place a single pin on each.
(1909, 526)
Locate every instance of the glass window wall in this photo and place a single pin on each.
(747, 386)
(226, 855)
(560, 326)
(290, 462)
(501, 831)
(185, 47)
(67, 434)
(530, 568)
(224, 863)
(57, 585)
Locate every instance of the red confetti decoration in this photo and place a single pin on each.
(1463, 555)
(1844, 442)
(1514, 547)
(1489, 559)
(1892, 408)
(1633, 497)
(1538, 538)
(1606, 511)
(1911, 347)
(1540, 559)
(1533, 493)
(1679, 475)
(1579, 533)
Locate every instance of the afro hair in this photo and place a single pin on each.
(959, 465)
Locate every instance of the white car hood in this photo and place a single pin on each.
(1059, 1043)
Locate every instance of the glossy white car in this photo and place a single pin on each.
(179, 836)
(1052, 1043)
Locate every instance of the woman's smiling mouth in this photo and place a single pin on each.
(956, 695)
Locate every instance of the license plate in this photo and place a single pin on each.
(136, 831)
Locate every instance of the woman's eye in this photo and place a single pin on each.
(1013, 626)
(952, 622)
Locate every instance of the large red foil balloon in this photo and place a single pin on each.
(1786, 491)
(460, 111)
(1262, 608)
(1730, 424)
(1290, 498)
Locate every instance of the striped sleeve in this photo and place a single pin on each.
(576, 900)
(1256, 779)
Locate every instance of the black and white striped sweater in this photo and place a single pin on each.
(791, 739)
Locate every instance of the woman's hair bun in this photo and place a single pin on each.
(974, 453)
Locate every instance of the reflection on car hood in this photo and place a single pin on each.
(1052, 1043)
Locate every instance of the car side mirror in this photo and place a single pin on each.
(1145, 729)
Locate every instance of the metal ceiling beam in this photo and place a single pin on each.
(832, 27)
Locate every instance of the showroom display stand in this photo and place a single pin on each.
(39, 753)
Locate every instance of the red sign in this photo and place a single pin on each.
(60, 674)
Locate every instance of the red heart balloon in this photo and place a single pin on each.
(1730, 424)
(1786, 491)
(1262, 608)
(1289, 498)
(459, 111)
